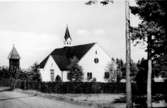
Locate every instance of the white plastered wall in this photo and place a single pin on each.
(45, 72)
(97, 69)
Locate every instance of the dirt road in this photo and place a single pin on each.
(14, 99)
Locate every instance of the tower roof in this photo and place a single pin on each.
(67, 34)
(14, 54)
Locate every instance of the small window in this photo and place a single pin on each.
(52, 74)
(106, 75)
(89, 75)
(96, 60)
(96, 52)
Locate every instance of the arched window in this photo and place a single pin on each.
(96, 60)
(58, 78)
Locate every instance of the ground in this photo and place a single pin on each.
(15, 99)
(33, 99)
(94, 100)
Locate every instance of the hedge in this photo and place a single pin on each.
(81, 87)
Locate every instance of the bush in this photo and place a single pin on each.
(82, 87)
(78, 87)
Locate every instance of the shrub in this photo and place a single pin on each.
(82, 87)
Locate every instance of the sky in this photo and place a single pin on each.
(38, 27)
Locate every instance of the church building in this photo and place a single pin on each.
(93, 60)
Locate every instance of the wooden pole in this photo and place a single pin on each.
(127, 37)
(149, 77)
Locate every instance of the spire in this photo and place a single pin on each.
(67, 37)
(14, 54)
(67, 34)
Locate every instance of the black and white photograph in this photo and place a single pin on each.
(83, 54)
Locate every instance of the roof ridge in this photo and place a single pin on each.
(85, 44)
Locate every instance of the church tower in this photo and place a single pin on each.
(14, 61)
(67, 38)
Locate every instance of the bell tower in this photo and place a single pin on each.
(14, 61)
(67, 38)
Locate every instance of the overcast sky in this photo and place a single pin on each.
(36, 28)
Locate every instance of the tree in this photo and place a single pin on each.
(103, 2)
(160, 67)
(133, 69)
(4, 72)
(75, 74)
(151, 30)
(33, 73)
(22, 75)
(121, 68)
(141, 77)
(112, 74)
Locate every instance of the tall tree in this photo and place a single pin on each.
(33, 73)
(141, 77)
(112, 74)
(75, 74)
(121, 67)
(152, 31)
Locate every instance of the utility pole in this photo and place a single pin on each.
(149, 77)
(128, 49)
(128, 58)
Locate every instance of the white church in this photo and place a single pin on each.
(93, 60)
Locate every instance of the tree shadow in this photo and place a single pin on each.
(120, 100)
(139, 101)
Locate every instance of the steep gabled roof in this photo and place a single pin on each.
(63, 56)
(14, 54)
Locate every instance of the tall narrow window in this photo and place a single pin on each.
(89, 75)
(52, 74)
